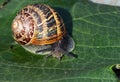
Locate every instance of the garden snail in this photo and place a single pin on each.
(39, 29)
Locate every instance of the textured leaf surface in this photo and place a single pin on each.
(95, 29)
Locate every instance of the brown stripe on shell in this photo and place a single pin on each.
(35, 15)
(38, 17)
(45, 9)
(62, 27)
(51, 22)
(47, 13)
(39, 30)
(59, 23)
(52, 32)
(47, 25)
(42, 27)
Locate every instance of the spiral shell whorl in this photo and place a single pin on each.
(38, 24)
(23, 28)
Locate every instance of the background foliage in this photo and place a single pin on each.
(95, 29)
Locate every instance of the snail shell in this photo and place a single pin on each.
(38, 24)
(40, 30)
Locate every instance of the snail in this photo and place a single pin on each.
(39, 29)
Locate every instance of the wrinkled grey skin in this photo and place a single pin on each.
(57, 49)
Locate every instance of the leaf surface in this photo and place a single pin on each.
(95, 29)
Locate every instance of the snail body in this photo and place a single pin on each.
(40, 29)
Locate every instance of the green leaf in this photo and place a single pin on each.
(95, 29)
